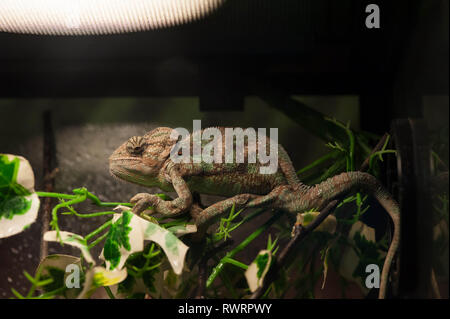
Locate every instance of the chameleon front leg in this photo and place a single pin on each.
(168, 208)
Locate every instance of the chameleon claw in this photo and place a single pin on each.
(138, 197)
(142, 202)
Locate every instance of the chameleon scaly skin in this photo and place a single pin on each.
(146, 161)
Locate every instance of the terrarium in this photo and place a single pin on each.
(223, 150)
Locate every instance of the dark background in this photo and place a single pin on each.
(107, 88)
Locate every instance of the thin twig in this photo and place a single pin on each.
(377, 148)
(49, 178)
(299, 233)
(203, 268)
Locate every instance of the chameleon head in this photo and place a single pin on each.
(140, 159)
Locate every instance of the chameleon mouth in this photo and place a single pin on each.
(126, 175)
(119, 166)
(123, 159)
(130, 169)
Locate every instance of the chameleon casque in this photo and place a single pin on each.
(145, 160)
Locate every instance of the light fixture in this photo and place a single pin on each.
(85, 17)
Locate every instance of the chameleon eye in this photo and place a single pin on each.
(135, 145)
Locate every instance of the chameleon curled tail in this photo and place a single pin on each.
(351, 181)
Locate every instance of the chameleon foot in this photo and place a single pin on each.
(142, 202)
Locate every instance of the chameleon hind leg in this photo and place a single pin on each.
(281, 197)
(210, 214)
(205, 218)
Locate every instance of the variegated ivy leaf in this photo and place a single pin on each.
(72, 240)
(100, 277)
(183, 230)
(19, 204)
(258, 269)
(362, 252)
(104, 277)
(174, 248)
(54, 267)
(328, 225)
(127, 235)
(124, 238)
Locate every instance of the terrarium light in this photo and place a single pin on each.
(84, 17)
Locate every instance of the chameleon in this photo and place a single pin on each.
(146, 161)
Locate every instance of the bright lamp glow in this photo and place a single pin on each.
(83, 17)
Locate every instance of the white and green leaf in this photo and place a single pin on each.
(174, 248)
(258, 269)
(72, 240)
(19, 204)
(124, 238)
(128, 233)
(328, 225)
(55, 266)
(101, 277)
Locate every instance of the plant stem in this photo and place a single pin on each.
(379, 153)
(235, 262)
(54, 222)
(218, 269)
(98, 230)
(98, 240)
(317, 162)
(56, 195)
(351, 137)
(73, 212)
(109, 292)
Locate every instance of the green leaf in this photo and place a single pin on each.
(148, 278)
(117, 237)
(126, 286)
(16, 205)
(58, 279)
(226, 226)
(12, 201)
(261, 263)
(258, 269)
(145, 265)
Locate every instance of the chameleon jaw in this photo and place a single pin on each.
(132, 170)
